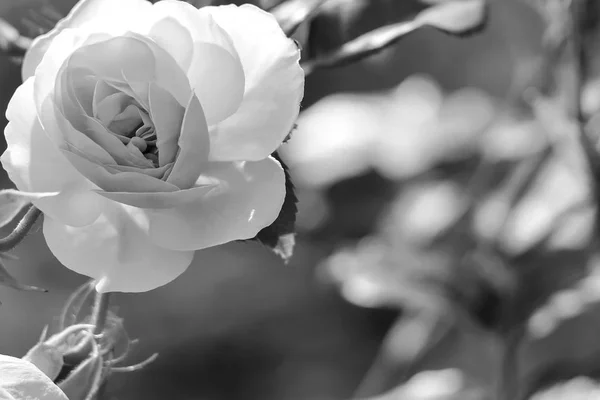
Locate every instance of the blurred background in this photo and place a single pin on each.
(438, 220)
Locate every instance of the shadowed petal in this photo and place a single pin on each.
(116, 251)
(34, 164)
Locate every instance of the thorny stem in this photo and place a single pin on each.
(21, 230)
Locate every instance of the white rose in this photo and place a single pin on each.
(155, 125)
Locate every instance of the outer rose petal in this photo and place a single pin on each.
(246, 198)
(274, 85)
(20, 379)
(106, 14)
(116, 251)
(219, 84)
(34, 164)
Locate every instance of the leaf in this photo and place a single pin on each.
(292, 13)
(279, 236)
(22, 380)
(12, 202)
(460, 17)
(6, 279)
(363, 46)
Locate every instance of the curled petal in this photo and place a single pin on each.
(104, 14)
(111, 180)
(116, 251)
(34, 164)
(167, 116)
(194, 146)
(245, 198)
(274, 85)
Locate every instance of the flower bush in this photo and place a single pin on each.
(149, 129)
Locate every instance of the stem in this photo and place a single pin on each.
(22, 229)
(100, 311)
(508, 388)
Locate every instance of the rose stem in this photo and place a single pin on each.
(23, 227)
(100, 311)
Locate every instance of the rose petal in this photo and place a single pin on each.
(167, 116)
(119, 181)
(274, 85)
(116, 251)
(247, 197)
(138, 59)
(101, 91)
(106, 15)
(218, 83)
(22, 380)
(114, 146)
(34, 164)
(194, 147)
(174, 38)
(162, 199)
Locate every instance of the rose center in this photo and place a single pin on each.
(125, 118)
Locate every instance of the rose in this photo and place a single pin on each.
(152, 127)
(21, 380)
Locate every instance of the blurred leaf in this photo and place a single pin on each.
(6, 279)
(552, 287)
(460, 17)
(292, 13)
(13, 201)
(578, 388)
(279, 236)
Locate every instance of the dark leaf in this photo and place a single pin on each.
(279, 236)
